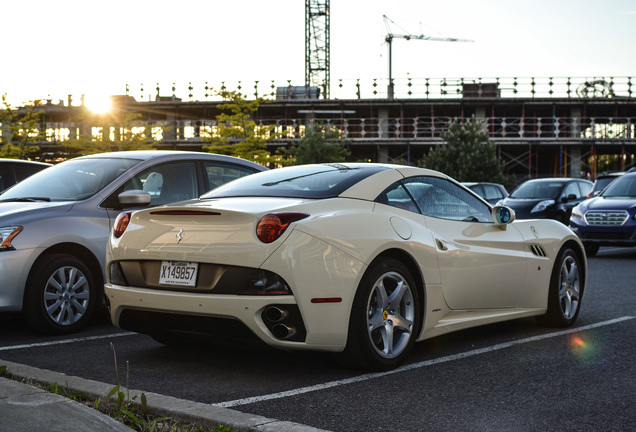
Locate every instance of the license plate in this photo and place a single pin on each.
(178, 273)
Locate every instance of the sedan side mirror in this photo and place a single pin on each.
(134, 198)
(502, 215)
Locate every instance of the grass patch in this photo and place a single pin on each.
(128, 411)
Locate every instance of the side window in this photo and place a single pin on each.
(23, 172)
(167, 183)
(397, 196)
(479, 190)
(219, 174)
(585, 188)
(492, 192)
(440, 198)
(5, 178)
(571, 189)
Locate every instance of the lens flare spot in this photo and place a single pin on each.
(577, 341)
(582, 349)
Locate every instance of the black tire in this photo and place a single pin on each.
(384, 321)
(591, 249)
(60, 295)
(566, 291)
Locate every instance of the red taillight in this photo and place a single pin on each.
(121, 223)
(272, 226)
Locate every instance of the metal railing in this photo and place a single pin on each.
(404, 88)
(362, 129)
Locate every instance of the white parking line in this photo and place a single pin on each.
(65, 341)
(365, 377)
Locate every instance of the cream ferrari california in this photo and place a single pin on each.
(362, 260)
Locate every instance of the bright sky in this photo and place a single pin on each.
(53, 48)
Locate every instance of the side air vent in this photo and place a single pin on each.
(538, 250)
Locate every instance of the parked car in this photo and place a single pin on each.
(609, 219)
(55, 224)
(601, 182)
(547, 198)
(360, 259)
(491, 192)
(13, 171)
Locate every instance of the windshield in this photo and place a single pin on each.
(621, 187)
(72, 180)
(305, 181)
(538, 190)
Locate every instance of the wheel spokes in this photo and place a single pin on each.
(66, 295)
(569, 287)
(390, 315)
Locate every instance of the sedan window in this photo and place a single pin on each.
(73, 180)
(167, 183)
(440, 198)
(221, 173)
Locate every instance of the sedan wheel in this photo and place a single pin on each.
(384, 318)
(566, 289)
(60, 295)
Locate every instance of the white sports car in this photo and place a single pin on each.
(359, 259)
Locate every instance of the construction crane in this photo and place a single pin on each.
(389, 40)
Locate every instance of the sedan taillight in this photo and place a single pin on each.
(121, 223)
(272, 226)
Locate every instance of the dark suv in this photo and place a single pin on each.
(601, 182)
(609, 219)
(548, 198)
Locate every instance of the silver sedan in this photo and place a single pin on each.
(54, 225)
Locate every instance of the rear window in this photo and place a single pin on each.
(304, 181)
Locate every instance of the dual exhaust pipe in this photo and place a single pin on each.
(275, 317)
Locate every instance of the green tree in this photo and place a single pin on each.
(19, 129)
(319, 144)
(237, 134)
(118, 131)
(467, 154)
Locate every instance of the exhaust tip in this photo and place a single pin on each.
(275, 314)
(283, 331)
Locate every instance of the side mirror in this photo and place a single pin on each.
(134, 198)
(568, 198)
(502, 215)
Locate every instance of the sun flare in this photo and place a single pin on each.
(98, 104)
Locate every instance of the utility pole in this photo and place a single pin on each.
(389, 40)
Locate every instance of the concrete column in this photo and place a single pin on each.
(574, 166)
(575, 122)
(383, 133)
(171, 133)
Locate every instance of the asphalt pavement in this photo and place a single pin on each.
(24, 407)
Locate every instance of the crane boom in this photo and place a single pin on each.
(389, 40)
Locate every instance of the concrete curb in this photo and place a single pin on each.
(179, 409)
